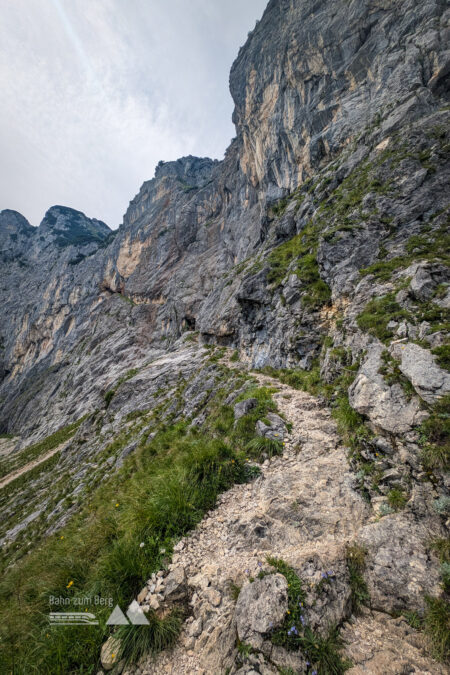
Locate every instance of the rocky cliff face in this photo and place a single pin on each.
(318, 249)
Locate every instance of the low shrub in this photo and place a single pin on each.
(397, 499)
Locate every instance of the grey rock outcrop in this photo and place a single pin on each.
(261, 607)
(400, 573)
(243, 407)
(419, 366)
(385, 406)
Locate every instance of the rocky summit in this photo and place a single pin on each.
(229, 417)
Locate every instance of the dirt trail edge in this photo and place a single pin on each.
(30, 465)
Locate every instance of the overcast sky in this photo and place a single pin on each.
(95, 92)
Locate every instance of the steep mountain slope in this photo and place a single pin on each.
(318, 249)
(303, 100)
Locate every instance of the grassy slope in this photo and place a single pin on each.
(160, 493)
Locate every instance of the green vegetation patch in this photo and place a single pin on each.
(322, 652)
(437, 627)
(161, 633)
(435, 436)
(433, 247)
(356, 564)
(301, 250)
(378, 313)
(442, 354)
(397, 499)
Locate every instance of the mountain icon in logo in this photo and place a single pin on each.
(134, 613)
(117, 618)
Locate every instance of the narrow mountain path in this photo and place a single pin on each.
(30, 465)
(302, 509)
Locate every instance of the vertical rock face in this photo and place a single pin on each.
(324, 74)
(340, 113)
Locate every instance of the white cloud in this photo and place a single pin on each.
(94, 94)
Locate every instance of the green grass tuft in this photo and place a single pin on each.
(441, 546)
(435, 436)
(437, 627)
(356, 564)
(139, 641)
(414, 620)
(442, 354)
(259, 447)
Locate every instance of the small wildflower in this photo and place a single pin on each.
(324, 575)
(247, 571)
(47, 635)
(331, 573)
(260, 564)
(69, 584)
(232, 461)
(302, 619)
(142, 544)
(62, 537)
(117, 504)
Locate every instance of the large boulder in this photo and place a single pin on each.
(244, 407)
(386, 406)
(419, 366)
(175, 587)
(425, 278)
(399, 570)
(261, 607)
